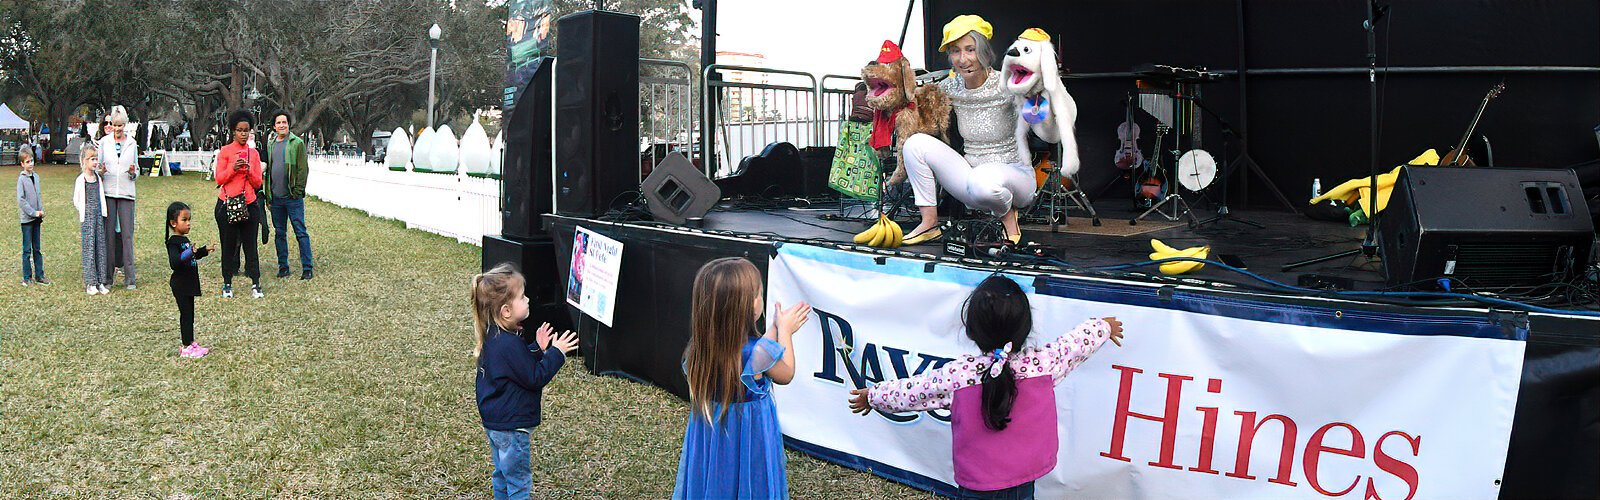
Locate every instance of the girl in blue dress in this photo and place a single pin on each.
(733, 447)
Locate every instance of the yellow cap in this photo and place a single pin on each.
(1035, 34)
(963, 24)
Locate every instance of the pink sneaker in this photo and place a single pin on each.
(196, 351)
(186, 352)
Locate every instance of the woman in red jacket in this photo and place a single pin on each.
(238, 178)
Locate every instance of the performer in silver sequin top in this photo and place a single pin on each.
(993, 174)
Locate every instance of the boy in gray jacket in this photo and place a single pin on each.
(30, 212)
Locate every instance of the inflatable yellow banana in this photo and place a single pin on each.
(1162, 251)
(1359, 190)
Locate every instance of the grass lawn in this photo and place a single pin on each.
(358, 383)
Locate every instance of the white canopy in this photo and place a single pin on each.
(10, 120)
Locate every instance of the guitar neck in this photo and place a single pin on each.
(1461, 146)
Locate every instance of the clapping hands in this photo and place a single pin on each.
(565, 341)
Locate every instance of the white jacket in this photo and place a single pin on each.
(118, 181)
(78, 199)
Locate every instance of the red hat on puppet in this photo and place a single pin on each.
(889, 53)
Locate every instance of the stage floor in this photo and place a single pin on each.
(1284, 238)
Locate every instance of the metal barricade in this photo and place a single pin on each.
(666, 111)
(751, 115)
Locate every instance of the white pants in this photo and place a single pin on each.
(992, 187)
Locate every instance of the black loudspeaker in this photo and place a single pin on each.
(1488, 228)
(536, 260)
(777, 171)
(676, 191)
(526, 183)
(597, 74)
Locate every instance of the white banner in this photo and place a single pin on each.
(592, 277)
(1209, 397)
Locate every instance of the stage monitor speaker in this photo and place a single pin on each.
(676, 191)
(526, 183)
(1488, 228)
(597, 109)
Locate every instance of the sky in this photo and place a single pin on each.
(817, 36)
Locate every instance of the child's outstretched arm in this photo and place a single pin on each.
(1066, 352)
(929, 391)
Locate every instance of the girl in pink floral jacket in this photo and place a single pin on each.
(1002, 402)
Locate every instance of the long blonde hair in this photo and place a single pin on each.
(723, 319)
(490, 291)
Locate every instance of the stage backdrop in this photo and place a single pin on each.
(1303, 127)
(1210, 397)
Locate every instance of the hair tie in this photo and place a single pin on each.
(999, 357)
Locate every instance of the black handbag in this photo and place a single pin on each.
(236, 209)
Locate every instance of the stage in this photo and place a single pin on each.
(1550, 437)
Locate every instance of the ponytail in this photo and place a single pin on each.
(999, 391)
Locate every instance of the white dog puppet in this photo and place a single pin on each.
(1043, 104)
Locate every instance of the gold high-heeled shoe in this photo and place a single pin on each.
(1015, 239)
(923, 237)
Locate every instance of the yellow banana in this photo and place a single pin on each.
(1160, 248)
(880, 235)
(898, 233)
(1180, 267)
(866, 236)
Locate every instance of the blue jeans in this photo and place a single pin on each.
(512, 476)
(291, 211)
(1022, 491)
(32, 269)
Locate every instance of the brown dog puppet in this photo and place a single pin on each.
(900, 107)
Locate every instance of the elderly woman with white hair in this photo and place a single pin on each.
(119, 163)
(993, 175)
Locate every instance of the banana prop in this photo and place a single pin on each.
(1356, 191)
(1162, 251)
(884, 234)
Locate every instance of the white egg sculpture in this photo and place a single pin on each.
(497, 152)
(398, 155)
(475, 150)
(422, 151)
(445, 150)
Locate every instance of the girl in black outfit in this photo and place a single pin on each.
(184, 258)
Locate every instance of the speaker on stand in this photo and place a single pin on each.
(526, 193)
(597, 70)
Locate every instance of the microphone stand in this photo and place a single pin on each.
(1369, 244)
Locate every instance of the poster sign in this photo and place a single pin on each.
(592, 280)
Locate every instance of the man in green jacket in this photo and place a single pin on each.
(284, 157)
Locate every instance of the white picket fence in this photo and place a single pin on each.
(458, 206)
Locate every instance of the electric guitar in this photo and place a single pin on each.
(1458, 156)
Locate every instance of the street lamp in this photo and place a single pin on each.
(433, 65)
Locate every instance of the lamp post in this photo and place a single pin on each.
(433, 65)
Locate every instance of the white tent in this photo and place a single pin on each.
(10, 120)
